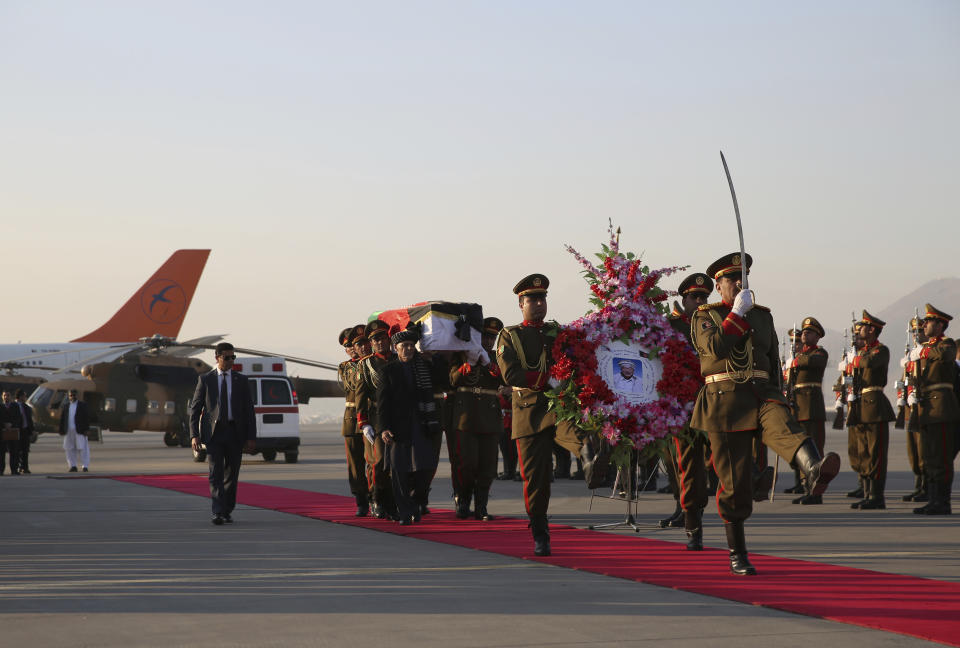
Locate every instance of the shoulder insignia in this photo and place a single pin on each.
(706, 324)
(706, 307)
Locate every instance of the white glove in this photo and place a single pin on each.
(483, 358)
(842, 367)
(912, 399)
(903, 361)
(915, 353)
(368, 433)
(743, 302)
(901, 402)
(851, 397)
(553, 382)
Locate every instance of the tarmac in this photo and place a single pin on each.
(86, 561)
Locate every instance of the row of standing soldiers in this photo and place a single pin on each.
(928, 404)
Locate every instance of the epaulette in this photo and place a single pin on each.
(706, 307)
(763, 308)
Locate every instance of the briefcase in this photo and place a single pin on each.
(10, 434)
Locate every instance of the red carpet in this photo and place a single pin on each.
(924, 608)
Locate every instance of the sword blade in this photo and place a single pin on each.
(736, 210)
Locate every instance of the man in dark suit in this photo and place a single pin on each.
(9, 446)
(223, 397)
(24, 414)
(74, 425)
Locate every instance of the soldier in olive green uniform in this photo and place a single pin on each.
(689, 453)
(870, 412)
(349, 379)
(854, 449)
(381, 490)
(806, 382)
(477, 422)
(524, 355)
(743, 399)
(908, 418)
(939, 411)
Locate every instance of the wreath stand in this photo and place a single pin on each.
(632, 499)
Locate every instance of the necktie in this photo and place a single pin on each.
(224, 407)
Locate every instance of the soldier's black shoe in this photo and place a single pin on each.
(362, 511)
(463, 505)
(817, 472)
(807, 500)
(406, 521)
(762, 483)
(480, 506)
(424, 509)
(72, 469)
(227, 519)
(672, 519)
(737, 543)
(378, 511)
(873, 503)
(595, 457)
(693, 525)
(796, 489)
(217, 519)
(506, 476)
(695, 540)
(858, 491)
(541, 536)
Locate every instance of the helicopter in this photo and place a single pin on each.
(149, 388)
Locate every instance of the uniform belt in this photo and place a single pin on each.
(440, 395)
(936, 386)
(810, 384)
(867, 390)
(349, 404)
(478, 390)
(736, 375)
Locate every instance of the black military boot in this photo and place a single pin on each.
(762, 483)
(693, 525)
(362, 506)
(480, 499)
(541, 536)
(674, 520)
(922, 496)
(875, 500)
(817, 471)
(378, 510)
(866, 493)
(858, 491)
(939, 503)
(595, 456)
(807, 500)
(797, 488)
(463, 504)
(737, 542)
(917, 485)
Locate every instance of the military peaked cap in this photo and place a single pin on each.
(812, 324)
(344, 338)
(792, 334)
(728, 264)
(492, 325)
(696, 283)
(376, 328)
(356, 334)
(870, 320)
(934, 313)
(535, 284)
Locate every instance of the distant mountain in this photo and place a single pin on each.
(942, 293)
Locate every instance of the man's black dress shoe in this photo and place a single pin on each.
(72, 469)
(217, 519)
(226, 518)
(406, 521)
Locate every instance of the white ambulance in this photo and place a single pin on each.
(275, 404)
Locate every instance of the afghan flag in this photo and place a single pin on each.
(444, 326)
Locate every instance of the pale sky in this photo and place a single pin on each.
(341, 158)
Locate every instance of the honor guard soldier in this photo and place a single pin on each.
(349, 378)
(910, 416)
(939, 411)
(743, 399)
(689, 453)
(524, 355)
(477, 423)
(870, 411)
(381, 491)
(806, 384)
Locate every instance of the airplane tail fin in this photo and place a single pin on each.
(159, 306)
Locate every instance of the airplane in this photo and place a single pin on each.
(149, 387)
(158, 307)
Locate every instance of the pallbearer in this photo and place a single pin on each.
(806, 379)
(939, 410)
(525, 356)
(381, 490)
(870, 412)
(349, 379)
(477, 423)
(743, 399)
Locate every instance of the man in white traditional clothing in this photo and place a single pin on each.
(625, 382)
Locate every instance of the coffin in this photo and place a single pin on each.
(444, 326)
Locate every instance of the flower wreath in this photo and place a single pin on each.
(630, 307)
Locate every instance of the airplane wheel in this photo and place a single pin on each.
(200, 456)
(170, 439)
(291, 457)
